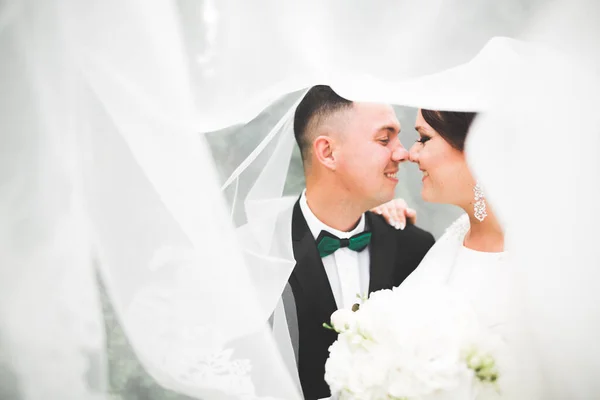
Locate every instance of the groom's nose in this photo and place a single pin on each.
(399, 154)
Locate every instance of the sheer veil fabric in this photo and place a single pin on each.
(130, 136)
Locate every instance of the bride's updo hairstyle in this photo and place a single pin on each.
(451, 125)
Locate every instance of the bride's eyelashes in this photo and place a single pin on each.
(423, 139)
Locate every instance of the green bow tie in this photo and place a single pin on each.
(328, 243)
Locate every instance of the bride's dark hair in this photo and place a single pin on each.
(451, 125)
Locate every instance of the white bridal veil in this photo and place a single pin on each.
(151, 142)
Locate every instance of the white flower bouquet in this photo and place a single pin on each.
(411, 344)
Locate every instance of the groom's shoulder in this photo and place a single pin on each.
(411, 233)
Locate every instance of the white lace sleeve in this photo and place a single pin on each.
(437, 263)
(458, 229)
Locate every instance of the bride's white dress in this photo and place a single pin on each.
(486, 281)
(483, 279)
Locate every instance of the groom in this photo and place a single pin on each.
(351, 154)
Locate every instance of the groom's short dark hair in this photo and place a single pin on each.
(319, 102)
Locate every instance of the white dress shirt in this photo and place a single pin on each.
(347, 270)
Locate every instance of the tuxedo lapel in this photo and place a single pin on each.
(382, 252)
(309, 272)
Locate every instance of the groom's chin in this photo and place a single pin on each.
(383, 198)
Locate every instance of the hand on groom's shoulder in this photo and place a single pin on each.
(412, 235)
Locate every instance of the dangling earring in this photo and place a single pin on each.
(480, 212)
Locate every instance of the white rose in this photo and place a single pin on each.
(343, 320)
(338, 368)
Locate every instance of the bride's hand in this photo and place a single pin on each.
(396, 212)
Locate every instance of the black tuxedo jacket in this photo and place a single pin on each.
(394, 254)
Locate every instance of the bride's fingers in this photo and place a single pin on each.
(389, 218)
(411, 215)
(377, 210)
(394, 212)
(385, 211)
(399, 218)
(399, 213)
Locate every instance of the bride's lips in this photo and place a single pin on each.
(425, 175)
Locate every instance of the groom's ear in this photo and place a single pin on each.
(323, 151)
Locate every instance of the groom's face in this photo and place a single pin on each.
(369, 154)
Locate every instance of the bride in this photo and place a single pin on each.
(470, 256)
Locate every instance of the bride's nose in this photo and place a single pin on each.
(413, 154)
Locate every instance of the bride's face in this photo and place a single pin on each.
(446, 177)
